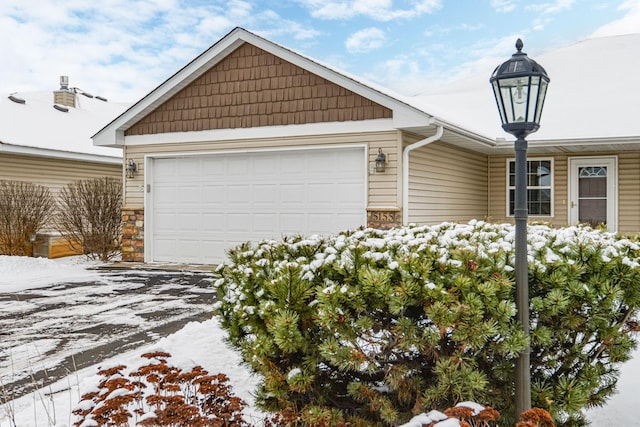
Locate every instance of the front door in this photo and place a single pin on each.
(593, 191)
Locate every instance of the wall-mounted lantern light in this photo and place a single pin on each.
(381, 160)
(131, 168)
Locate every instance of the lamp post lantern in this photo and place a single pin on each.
(520, 85)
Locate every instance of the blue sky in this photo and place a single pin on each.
(122, 49)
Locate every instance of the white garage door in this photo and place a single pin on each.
(202, 205)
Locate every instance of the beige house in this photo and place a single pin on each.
(45, 138)
(251, 140)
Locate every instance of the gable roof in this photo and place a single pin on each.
(404, 115)
(591, 101)
(35, 127)
(587, 107)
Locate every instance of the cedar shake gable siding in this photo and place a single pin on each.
(250, 88)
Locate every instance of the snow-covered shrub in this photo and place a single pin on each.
(24, 209)
(376, 326)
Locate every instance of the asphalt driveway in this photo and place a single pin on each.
(49, 332)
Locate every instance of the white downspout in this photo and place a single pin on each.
(405, 170)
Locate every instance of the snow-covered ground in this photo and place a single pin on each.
(198, 343)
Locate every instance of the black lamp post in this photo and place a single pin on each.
(520, 86)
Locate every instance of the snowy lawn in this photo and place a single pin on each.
(195, 344)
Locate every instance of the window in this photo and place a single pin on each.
(539, 187)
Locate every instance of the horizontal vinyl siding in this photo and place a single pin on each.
(628, 189)
(53, 173)
(383, 187)
(446, 184)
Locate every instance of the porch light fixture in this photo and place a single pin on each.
(381, 160)
(520, 86)
(131, 168)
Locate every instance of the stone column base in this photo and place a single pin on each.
(133, 235)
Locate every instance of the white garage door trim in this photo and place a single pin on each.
(353, 208)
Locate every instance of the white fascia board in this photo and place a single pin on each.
(313, 129)
(57, 154)
(113, 134)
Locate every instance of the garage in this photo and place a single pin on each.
(201, 205)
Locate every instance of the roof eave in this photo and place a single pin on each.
(58, 154)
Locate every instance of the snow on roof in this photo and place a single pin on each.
(592, 94)
(36, 124)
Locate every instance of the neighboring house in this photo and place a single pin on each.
(45, 138)
(251, 140)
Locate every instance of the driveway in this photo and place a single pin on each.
(49, 332)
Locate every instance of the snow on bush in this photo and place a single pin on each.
(375, 326)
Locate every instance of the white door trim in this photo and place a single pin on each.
(611, 162)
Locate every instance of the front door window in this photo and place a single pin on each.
(592, 195)
(593, 192)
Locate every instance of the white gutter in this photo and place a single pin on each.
(405, 170)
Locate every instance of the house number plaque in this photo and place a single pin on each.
(383, 218)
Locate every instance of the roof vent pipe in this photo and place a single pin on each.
(64, 82)
(405, 170)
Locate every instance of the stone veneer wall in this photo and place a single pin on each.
(132, 235)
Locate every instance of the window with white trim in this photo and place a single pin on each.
(539, 187)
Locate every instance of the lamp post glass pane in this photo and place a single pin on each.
(541, 96)
(498, 95)
(515, 95)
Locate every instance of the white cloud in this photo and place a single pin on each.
(366, 40)
(504, 6)
(551, 7)
(629, 24)
(380, 10)
(120, 49)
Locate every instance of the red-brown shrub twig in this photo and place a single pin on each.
(175, 398)
(535, 417)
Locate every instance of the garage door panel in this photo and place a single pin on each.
(350, 193)
(189, 221)
(164, 193)
(265, 194)
(292, 194)
(190, 168)
(238, 222)
(202, 205)
(213, 194)
(165, 222)
(293, 223)
(265, 222)
(265, 166)
(237, 165)
(189, 194)
(213, 167)
(165, 171)
(321, 194)
(213, 222)
(238, 194)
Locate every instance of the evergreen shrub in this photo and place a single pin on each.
(372, 326)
